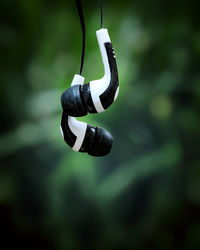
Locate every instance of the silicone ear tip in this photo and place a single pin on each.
(103, 143)
(71, 102)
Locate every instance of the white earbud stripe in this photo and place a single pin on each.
(97, 87)
(79, 130)
(95, 90)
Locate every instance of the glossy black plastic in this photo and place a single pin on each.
(102, 144)
(71, 102)
(97, 141)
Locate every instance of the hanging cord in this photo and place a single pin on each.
(101, 13)
(82, 21)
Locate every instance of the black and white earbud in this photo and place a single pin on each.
(95, 96)
(82, 137)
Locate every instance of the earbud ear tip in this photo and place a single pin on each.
(102, 144)
(71, 102)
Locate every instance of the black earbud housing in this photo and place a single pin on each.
(97, 141)
(71, 102)
(77, 101)
(102, 143)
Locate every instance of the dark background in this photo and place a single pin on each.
(146, 193)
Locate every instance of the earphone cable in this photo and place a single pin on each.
(82, 21)
(101, 9)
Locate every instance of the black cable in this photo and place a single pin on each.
(101, 13)
(82, 21)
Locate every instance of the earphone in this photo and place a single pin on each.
(93, 97)
(98, 95)
(82, 137)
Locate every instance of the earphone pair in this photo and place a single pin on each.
(93, 97)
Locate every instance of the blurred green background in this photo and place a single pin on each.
(146, 193)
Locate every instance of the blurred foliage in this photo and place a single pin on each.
(145, 194)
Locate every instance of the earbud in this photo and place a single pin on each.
(82, 137)
(95, 96)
